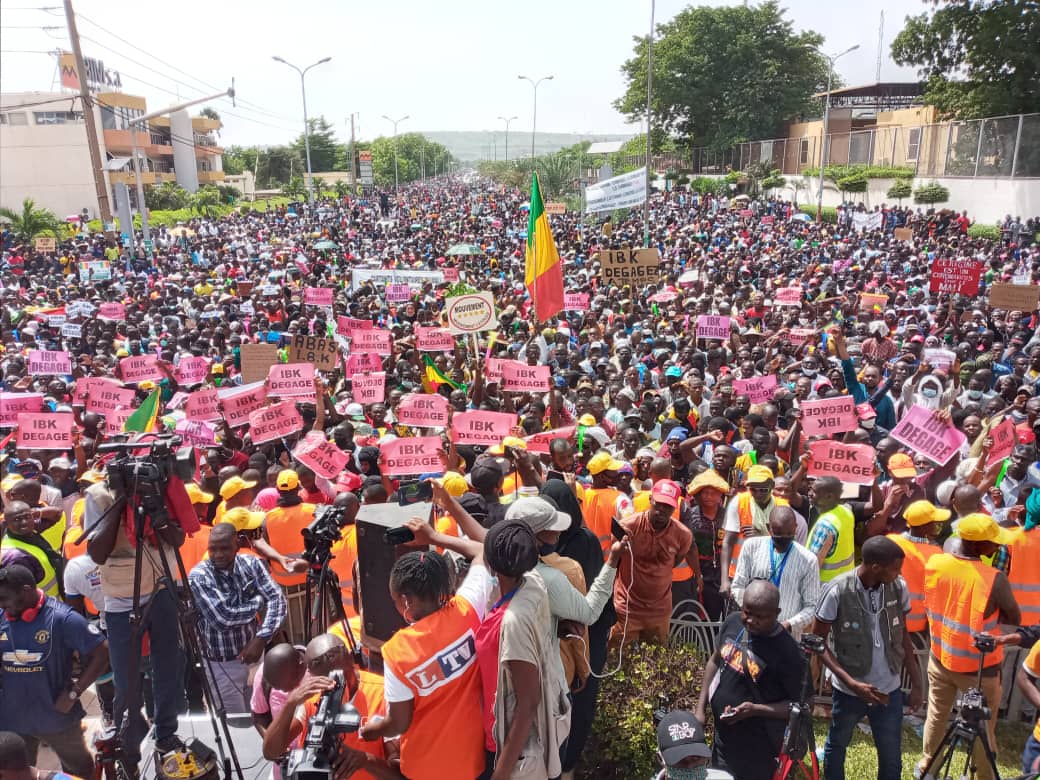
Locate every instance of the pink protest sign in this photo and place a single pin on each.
(767, 219)
(325, 458)
(291, 379)
(274, 422)
(318, 296)
(870, 302)
(710, 326)
(852, 463)
(112, 311)
(396, 293)
(940, 359)
(363, 361)
(420, 409)
(788, 296)
(178, 400)
(139, 368)
(192, 371)
(493, 369)
(45, 431)
(921, 431)
(1004, 440)
(434, 339)
(44, 362)
(517, 376)
(379, 341)
(746, 213)
(450, 274)
(115, 419)
(576, 301)
(759, 389)
(196, 433)
(829, 415)
(802, 335)
(539, 442)
(239, 402)
(13, 404)
(369, 388)
(410, 456)
(956, 275)
(301, 262)
(106, 396)
(485, 428)
(202, 405)
(346, 326)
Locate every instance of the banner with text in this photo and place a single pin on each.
(923, 432)
(423, 410)
(411, 456)
(45, 431)
(852, 463)
(274, 422)
(829, 416)
(481, 428)
(620, 192)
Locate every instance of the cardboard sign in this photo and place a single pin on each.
(106, 396)
(196, 433)
(243, 289)
(629, 266)
(710, 326)
(1014, 297)
(239, 402)
(539, 442)
(829, 416)
(1004, 441)
(434, 339)
(274, 422)
(369, 388)
(347, 326)
(360, 362)
(202, 405)
(471, 313)
(192, 371)
(55, 320)
(483, 428)
(867, 302)
(379, 342)
(450, 274)
(45, 431)
(788, 296)
(44, 362)
(79, 309)
(410, 456)
(320, 352)
(851, 463)
(922, 432)
(520, 377)
(291, 379)
(956, 275)
(423, 410)
(14, 404)
(112, 311)
(139, 368)
(903, 234)
(271, 290)
(318, 296)
(45, 244)
(322, 456)
(759, 389)
(941, 359)
(396, 293)
(72, 330)
(555, 207)
(256, 361)
(576, 301)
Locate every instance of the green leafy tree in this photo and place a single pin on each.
(168, 196)
(900, 189)
(413, 149)
(931, 193)
(980, 57)
(325, 149)
(341, 188)
(773, 181)
(555, 173)
(854, 182)
(210, 113)
(726, 75)
(206, 201)
(294, 188)
(31, 221)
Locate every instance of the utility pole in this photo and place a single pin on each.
(100, 187)
(649, 94)
(353, 174)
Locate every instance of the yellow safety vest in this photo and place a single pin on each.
(842, 557)
(49, 583)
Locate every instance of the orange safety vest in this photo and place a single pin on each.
(1025, 574)
(598, 509)
(344, 554)
(747, 520)
(956, 592)
(641, 503)
(916, 556)
(285, 534)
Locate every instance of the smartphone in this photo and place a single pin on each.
(551, 474)
(616, 529)
(414, 493)
(400, 535)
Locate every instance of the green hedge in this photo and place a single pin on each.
(992, 232)
(835, 172)
(830, 214)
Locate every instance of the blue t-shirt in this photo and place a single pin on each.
(36, 662)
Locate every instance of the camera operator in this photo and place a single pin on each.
(1026, 680)
(114, 550)
(364, 690)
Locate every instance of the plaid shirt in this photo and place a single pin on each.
(229, 603)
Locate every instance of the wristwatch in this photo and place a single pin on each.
(73, 694)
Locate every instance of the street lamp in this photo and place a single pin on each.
(534, 114)
(395, 122)
(507, 120)
(826, 119)
(306, 124)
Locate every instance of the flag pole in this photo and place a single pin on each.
(534, 251)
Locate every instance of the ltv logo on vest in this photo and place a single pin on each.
(445, 666)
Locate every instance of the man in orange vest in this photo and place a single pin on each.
(603, 502)
(923, 521)
(963, 598)
(746, 516)
(1025, 563)
(283, 530)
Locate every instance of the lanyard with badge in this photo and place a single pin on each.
(775, 571)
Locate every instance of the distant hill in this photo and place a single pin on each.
(474, 146)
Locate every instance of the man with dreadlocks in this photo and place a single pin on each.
(432, 682)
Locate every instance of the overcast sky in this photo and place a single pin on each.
(448, 66)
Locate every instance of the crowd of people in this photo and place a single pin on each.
(795, 428)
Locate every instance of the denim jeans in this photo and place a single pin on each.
(166, 677)
(886, 723)
(1030, 755)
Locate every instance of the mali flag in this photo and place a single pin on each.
(143, 418)
(544, 276)
(433, 377)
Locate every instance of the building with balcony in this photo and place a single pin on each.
(44, 153)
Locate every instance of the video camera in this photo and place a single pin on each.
(323, 532)
(334, 717)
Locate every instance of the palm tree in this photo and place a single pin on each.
(342, 189)
(205, 200)
(32, 221)
(294, 189)
(554, 173)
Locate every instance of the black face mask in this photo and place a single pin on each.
(546, 549)
(782, 543)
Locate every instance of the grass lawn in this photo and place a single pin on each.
(861, 762)
(261, 204)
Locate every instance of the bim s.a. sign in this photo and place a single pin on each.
(98, 76)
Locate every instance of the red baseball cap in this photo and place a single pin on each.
(666, 492)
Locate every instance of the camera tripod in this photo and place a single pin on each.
(968, 727)
(798, 750)
(323, 602)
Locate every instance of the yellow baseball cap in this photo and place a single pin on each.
(234, 486)
(758, 474)
(587, 420)
(978, 527)
(708, 479)
(288, 480)
(924, 512)
(197, 494)
(602, 461)
(243, 519)
(509, 441)
(454, 483)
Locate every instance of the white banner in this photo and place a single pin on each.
(864, 220)
(621, 192)
(414, 279)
